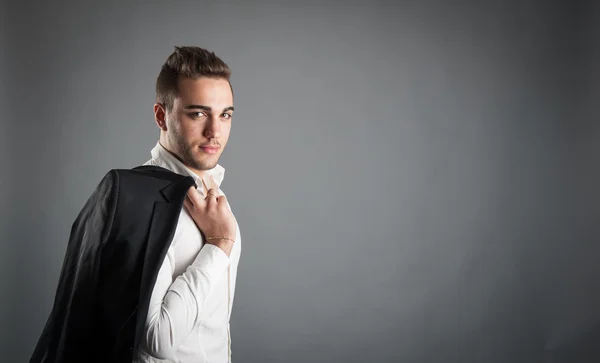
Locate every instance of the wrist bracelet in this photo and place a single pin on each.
(227, 238)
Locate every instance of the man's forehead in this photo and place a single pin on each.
(203, 82)
(206, 91)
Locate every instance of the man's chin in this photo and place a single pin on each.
(204, 165)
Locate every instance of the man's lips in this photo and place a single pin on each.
(210, 149)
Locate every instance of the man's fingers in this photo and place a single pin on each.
(211, 196)
(187, 203)
(193, 197)
(222, 200)
(205, 186)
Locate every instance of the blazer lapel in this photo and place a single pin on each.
(162, 229)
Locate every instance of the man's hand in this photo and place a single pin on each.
(213, 217)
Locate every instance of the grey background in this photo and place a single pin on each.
(414, 182)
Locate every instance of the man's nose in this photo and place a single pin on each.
(213, 128)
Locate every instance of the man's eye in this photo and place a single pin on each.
(197, 114)
(226, 115)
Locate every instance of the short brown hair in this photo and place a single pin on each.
(187, 62)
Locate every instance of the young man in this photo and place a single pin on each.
(150, 269)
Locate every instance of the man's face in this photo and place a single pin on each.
(199, 123)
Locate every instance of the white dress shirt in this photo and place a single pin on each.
(190, 306)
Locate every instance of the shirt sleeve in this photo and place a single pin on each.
(176, 305)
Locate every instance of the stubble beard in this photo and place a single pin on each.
(187, 152)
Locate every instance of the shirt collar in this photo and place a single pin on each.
(162, 157)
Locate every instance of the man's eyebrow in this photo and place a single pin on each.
(206, 108)
(202, 107)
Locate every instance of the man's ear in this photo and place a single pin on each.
(160, 116)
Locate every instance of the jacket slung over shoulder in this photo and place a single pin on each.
(113, 255)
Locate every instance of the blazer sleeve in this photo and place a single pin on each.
(69, 334)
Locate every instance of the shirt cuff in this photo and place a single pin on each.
(212, 260)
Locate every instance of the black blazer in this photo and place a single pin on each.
(116, 247)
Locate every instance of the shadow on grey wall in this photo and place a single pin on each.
(583, 347)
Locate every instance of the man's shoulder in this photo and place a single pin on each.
(151, 171)
(141, 179)
(144, 173)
